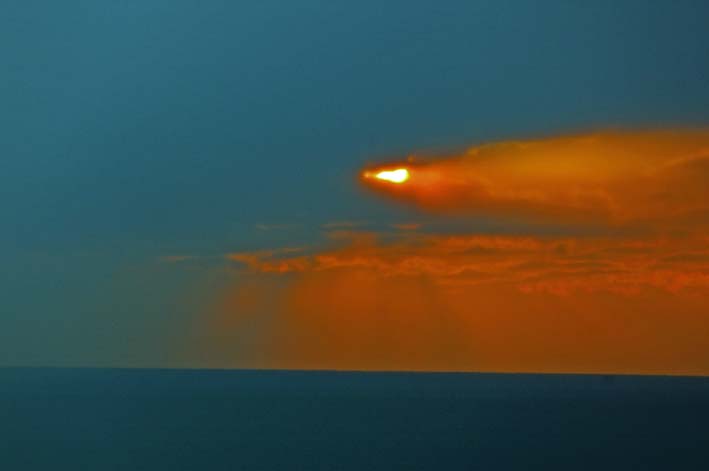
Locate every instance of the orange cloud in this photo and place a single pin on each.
(629, 296)
(560, 265)
(477, 303)
(407, 226)
(611, 176)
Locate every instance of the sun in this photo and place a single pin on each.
(399, 175)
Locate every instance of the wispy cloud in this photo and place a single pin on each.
(177, 258)
(407, 226)
(344, 224)
(559, 265)
(613, 177)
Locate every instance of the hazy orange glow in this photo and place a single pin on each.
(556, 265)
(613, 177)
(626, 294)
(475, 303)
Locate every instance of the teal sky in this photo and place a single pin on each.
(140, 129)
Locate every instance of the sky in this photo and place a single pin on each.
(182, 185)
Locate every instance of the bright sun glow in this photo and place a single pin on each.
(400, 175)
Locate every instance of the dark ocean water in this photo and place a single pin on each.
(106, 419)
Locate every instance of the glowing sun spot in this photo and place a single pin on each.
(400, 175)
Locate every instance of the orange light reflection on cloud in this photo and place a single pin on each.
(491, 303)
(634, 299)
(612, 177)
